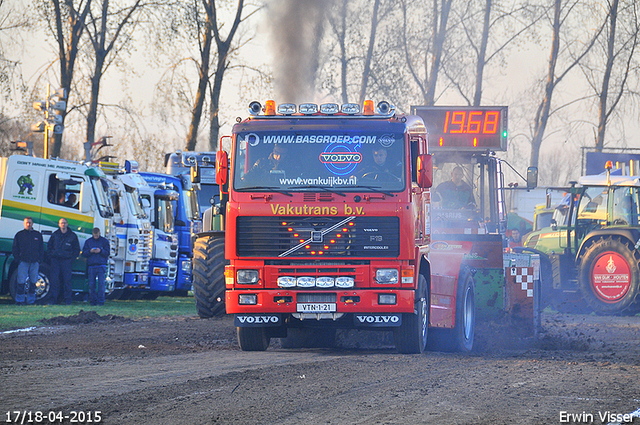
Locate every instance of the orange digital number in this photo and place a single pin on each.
(475, 122)
(458, 118)
(491, 122)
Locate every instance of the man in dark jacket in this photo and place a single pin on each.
(96, 251)
(62, 249)
(28, 251)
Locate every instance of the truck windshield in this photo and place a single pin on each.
(100, 187)
(192, 209)
(133, 199)
(310, 160)
(164, 214)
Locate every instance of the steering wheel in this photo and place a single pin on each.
(382, 176)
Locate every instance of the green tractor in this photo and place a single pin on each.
(593, 246)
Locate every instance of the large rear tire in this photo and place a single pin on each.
(43, 285)
(411, 336)
(253, 339)
(460, 338)
(609, 276)
(208, 276)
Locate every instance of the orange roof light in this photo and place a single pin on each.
(270, 107)
(368, 107)
(608, 165)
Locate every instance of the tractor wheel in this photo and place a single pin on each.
(253, 339)
(460, 338)
(208, 276)
(609, 276)
(43, 285)
(411, 336)
(309, 338)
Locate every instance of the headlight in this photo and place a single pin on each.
(247, 299)
(306, 282)
(286, 281)
(160, 271)
(186, 266)
(247, 277)
(345, 282)
(325, 282)
(387, 276)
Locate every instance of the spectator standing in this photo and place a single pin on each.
(62, 249)
(96, 251)
(28, 251)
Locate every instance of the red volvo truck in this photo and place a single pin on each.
(327, 225)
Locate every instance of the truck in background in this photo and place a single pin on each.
(46, 190)
(186, 222)
(132, 237)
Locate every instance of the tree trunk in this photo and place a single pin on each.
(477, 98)
(603, 113)
(203, 80)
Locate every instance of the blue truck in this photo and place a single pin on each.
(186, 222)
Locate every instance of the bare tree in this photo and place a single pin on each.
(109, 32)
(67, 26)
(13, 23)
(562, 10)
(610, 80)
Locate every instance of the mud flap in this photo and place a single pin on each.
(257, 320)
(377, 320)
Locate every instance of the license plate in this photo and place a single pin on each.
(316, 308)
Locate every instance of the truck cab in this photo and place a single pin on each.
(326, 226)
(132, 239)
(47, 190)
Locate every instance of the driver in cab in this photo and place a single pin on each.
(455, 193)
(272, 167)
(380, 169)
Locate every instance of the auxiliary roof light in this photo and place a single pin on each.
(270, 107)
(384, 108)
(287, 109)
(308, 108)
(255, 107)
(350, 108)
(368, 107)
(329, 108)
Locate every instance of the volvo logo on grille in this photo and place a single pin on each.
(377, 319)
(316, 237)
(257, 320)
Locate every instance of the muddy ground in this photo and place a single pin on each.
(184, 370)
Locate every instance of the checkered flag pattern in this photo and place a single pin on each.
(524, 276)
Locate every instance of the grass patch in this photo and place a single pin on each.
(18, 317)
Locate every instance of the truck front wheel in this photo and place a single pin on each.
(253, 339)
(411, 336)
(460, 338)
(609, 276)
(208, 276)
(43, 285)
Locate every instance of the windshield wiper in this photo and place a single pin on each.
(372, 188)
(267, 188)
(313, 186)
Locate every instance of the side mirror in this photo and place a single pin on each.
(85, 198)
(222, 167)
(532, 177)
(554, 224)
(425, 171)
(194, 171)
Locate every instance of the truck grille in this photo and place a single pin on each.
(290, 237)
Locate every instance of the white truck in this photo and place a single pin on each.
(132, 236)
(47, 190)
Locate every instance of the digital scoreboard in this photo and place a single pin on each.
(464, 128)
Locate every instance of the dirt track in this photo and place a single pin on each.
(186, 370)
